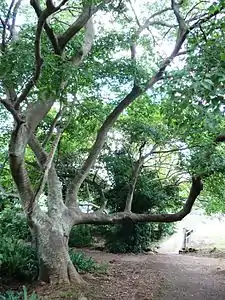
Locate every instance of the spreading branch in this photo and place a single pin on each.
(100, 218)
(52, 128)
(151, 21)
(180, 20)
(4, 193)
(135, 15)
(54, 185)
(17, 148)
(74, 186)
(134, 177)
(100, 192)
(87, 43)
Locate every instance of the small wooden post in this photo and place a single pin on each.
(184, 239)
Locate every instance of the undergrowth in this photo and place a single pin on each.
(12, 295)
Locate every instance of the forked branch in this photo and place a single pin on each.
(12, 110)
(100, 218)
(87, 12)
(135, 173)
(38, 57)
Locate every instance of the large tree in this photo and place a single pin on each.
(58, 64)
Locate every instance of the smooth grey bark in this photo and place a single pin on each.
(101, 218)
(132, 184)
(55, 265)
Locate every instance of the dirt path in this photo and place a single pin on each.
(158, 277)
(188, 277)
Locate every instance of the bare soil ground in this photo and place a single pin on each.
(157, 277)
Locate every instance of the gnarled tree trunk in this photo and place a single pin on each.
(55, 265)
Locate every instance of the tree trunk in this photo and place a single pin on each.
(55, 265)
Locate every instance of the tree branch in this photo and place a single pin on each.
(52, 127)
(148, 21)
(182, 25)
(38, 58)
(74, 186)
(17, 147)
(5, 25)
(87, 13)
(12, 110)
(135, 173)
(100, 218)
(14, 14)
(194, 7)
(39, 152)
(55, 198)
(100, 192)
(135, 15)
(87, 44)
(50, 33)
(38, 111)
(6, 194)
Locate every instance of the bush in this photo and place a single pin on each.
(14, 223)
(84, 263)
(130, 237)
(12, 295)
(80, 236)
(17, 259)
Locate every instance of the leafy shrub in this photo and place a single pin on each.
(12, 295)
(80, 236)
(84, 263)
(14, 223)
(17, 259)
(130, 237)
